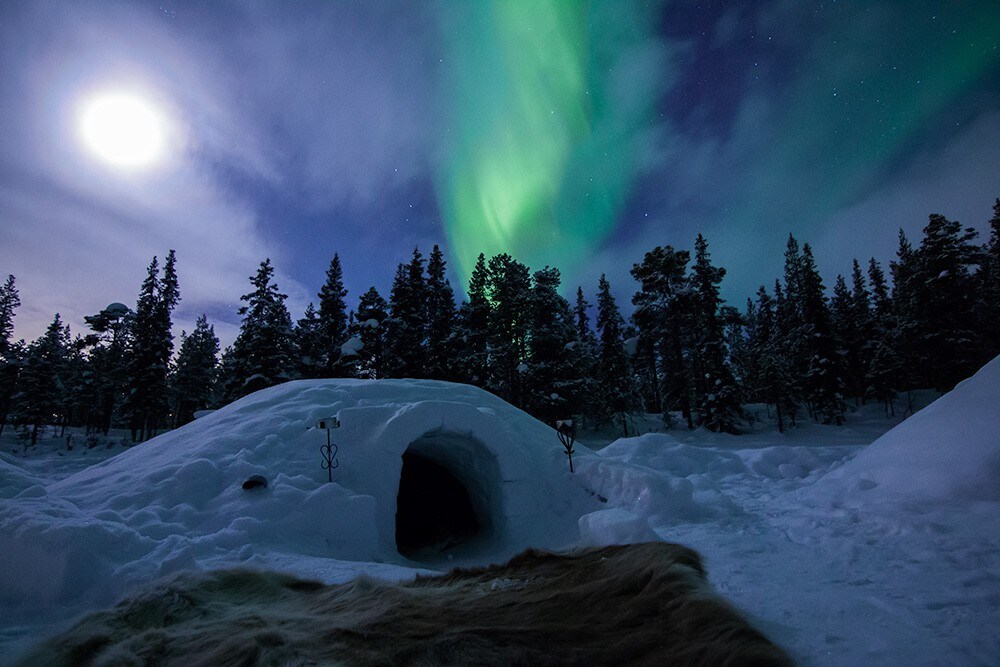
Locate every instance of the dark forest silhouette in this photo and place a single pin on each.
(797, 347)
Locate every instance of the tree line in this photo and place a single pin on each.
(683, 353)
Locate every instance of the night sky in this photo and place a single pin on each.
(571, 134)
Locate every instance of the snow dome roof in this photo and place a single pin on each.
(177, 500)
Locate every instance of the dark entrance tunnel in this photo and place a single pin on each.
(433, 510)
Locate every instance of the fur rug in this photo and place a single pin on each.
(637, 604)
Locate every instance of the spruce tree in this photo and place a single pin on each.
(507, 290)
(717, 394)
(614, 373)
(904, 311)
(586, 352)
(440, 319)
(795, 331)
(263, 351)
(10, 351)
(332, 321)
(472, 335)
(989, 289)
(864, 317)
(824, 379)
(942, 330)
(194, 374)
(310, 349)
(744, 343)
(152, 345)
(884, 366)
(41, 386)
(369, 328)
(406, 333)
(552, 379)
(74, 407)
(785, 370)
(849, 338)
(664, 314)
(105, 378)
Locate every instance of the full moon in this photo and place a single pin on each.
(123, 129)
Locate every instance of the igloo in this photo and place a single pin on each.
(426, 472)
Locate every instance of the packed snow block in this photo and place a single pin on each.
(645, 604)
(949, 451)
(333, 522)
(647, 492)
(614, 526)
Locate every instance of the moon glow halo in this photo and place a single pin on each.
(123, 130)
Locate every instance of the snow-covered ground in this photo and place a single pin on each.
(843, 552)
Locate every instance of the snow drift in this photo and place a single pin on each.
(950, 450)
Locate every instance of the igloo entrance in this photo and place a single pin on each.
(448, 496)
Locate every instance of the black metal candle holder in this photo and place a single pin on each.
(330, 449)
(567, 436)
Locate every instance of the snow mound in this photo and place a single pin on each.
(657, 479)
(950, 450)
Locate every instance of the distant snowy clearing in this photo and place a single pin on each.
(839, 551)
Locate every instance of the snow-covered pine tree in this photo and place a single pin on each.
(74, 408)
(193, 378)
(310, 347)
(664, 314)
(883, 373)
(795, 333)
(10, 300)
(406, 331)
(332, 323)
(41, 389)
(107, 356)
(744, 349)
(586, 352)
(440, 319)
(861, 301)
(262, 355)
(717, 395)
(783, 373)
(148, 359)
(615, 381)
(551, 380)
(989, 289)
(646, 363)
(507, 290)
(824, 380)
(10, 351)
(472, 330)
(850, 339)
(904, 311)
(943, 332)
(369, 328)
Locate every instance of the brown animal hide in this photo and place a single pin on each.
(637, 604)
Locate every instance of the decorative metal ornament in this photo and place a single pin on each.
(330, 449)
(566, 431)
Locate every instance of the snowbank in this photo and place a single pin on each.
(950, 450)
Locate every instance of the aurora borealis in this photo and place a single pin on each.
(567, 133)
(539, 144)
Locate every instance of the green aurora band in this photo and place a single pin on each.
(546, 103)
(875, 90)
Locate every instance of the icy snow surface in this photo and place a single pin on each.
(844, 553)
